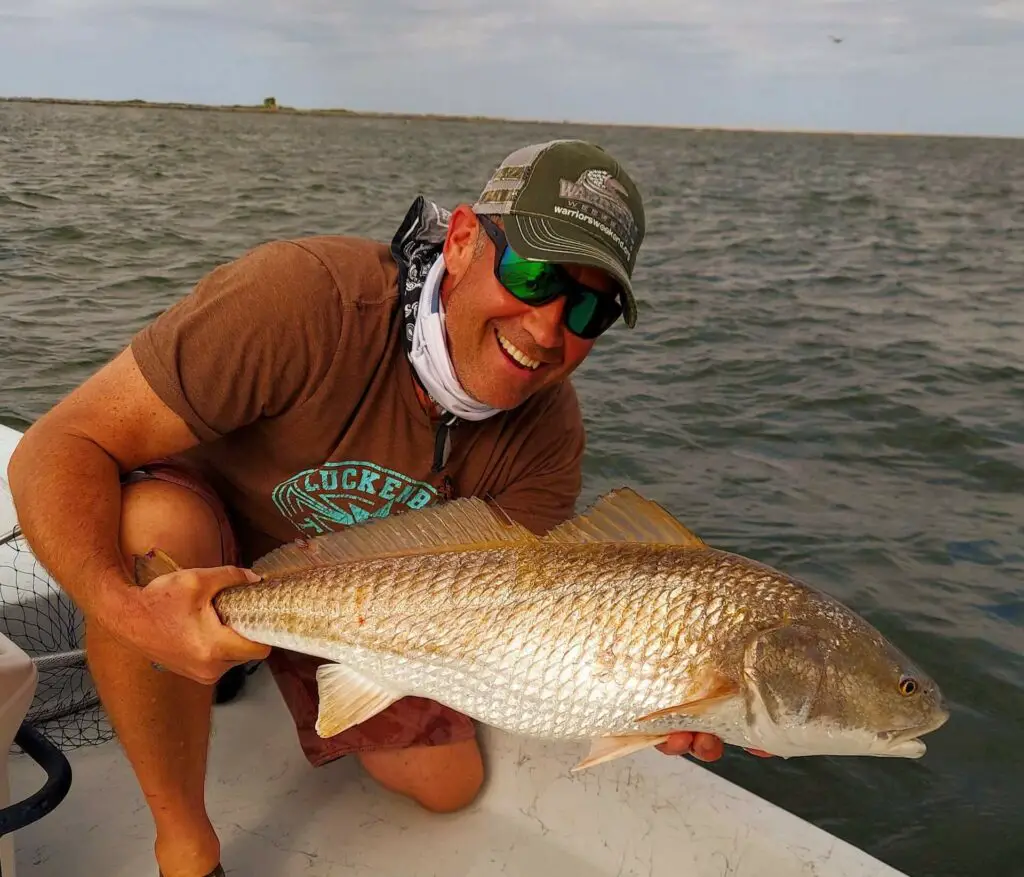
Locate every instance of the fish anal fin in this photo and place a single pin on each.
(347, 698)
(152, 565)
(623, 515)
(604, 749)
(458, 524)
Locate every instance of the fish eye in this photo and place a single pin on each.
(908, 686)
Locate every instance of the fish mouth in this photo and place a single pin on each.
(906, 742)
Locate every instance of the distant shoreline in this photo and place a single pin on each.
(279, 110)
(276, 110)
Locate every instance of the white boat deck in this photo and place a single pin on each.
(644, 815)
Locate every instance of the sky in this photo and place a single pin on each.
(911, 66)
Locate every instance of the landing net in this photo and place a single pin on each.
(41, 619)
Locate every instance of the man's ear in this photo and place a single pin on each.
(460, 242)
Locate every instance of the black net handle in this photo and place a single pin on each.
(54, 790)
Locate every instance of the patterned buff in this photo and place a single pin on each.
(417, 247)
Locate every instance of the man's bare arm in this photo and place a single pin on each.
(64, 477)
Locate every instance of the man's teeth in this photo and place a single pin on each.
(517, 354)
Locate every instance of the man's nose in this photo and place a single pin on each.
(544, 323)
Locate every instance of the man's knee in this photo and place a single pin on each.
(168, 516)
(157, 514)
(442, 779)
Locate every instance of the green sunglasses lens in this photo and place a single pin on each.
(588, 314)
(579, 316)
(533, 282)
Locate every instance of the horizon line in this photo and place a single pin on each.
(284, 109)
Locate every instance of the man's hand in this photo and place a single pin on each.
(172, 622)
(706, 747)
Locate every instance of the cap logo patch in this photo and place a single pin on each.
(598, 199)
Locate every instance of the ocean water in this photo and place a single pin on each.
(827, 374)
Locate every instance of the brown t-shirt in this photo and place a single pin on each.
(288, 364)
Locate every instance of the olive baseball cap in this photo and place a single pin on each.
(570, 201)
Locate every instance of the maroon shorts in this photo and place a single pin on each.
(411, 721)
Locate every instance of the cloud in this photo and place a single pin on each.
(1005, 9)
(739, 62)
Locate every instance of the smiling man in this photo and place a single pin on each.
(304, 387)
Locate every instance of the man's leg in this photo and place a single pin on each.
(441, 778)
(163, 720)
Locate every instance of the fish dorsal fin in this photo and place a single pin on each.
(460, 523)
(624, 516)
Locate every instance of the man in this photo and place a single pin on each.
(306, 386)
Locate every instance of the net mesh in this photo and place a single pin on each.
(41, 619)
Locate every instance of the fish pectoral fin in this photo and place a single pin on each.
(624, 516)
(608, 748)
(347, 698)
(718, 692)
(691, 708)
(152, 565)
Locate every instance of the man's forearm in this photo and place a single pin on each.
(67, 494)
